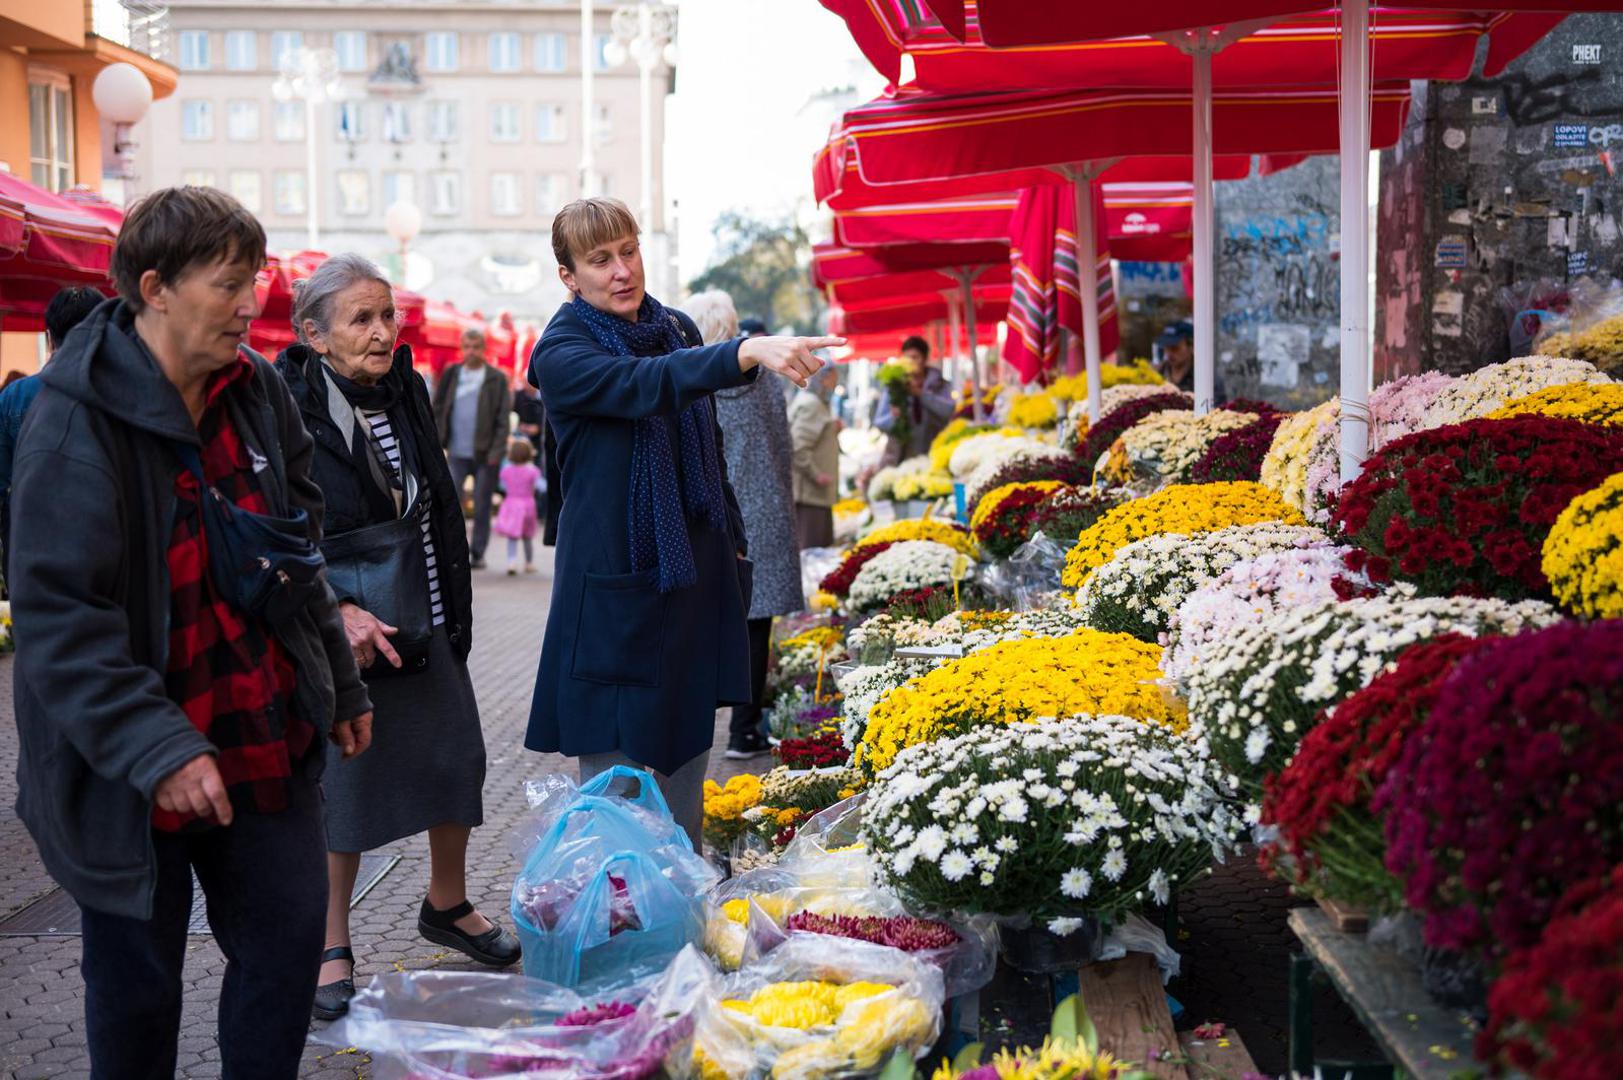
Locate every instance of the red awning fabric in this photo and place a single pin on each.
(47, 242)
(902, 313)
(854, 277)
(887, 344)
(947, 221)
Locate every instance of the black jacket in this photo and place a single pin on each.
(494, 420)
(93, 511)
(335, 473)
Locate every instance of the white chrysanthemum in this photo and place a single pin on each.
(1160, 887)
(1115, 865)
(955, 865)
(1076, 883)
(1064, 926)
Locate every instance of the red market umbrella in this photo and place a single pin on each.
(848, 276)
(501, 342)
(968, 220)
(1047, 290)
(1149, 222)
(47, 242)
(900, 313)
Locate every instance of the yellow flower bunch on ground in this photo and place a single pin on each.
(847, 507)
(989, 502)
(1284, 467)
(724, 807)
(1085, 672)
(1181, 508)
(1593, 403)
(1033, 411)
(1583, 555)
(941, 532)
(921, 486)
(803, 1005)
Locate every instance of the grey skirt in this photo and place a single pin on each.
(426, 764)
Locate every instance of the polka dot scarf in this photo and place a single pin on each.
(660, 504)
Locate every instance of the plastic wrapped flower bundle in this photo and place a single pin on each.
(1163, 447)
(1183, 508)
(1251, 591)
(1509, 796)
(1001, 519)
(1113, 424)
(1049, 818)
(1260, 691)
(724, 808)
(994, 446)
(1583, 555)
(881, 487)
(1033, 411)
(1553, 1013)
(1083, 672)
(1285, 466)
(941, 532)
(790, 796)
(1330, 842)
(905, 567)
(921, 486)
(1049, 463)
(1486, 389)
(1600, 344)
(1238, 454)
(1141, 588)
(1465, 509)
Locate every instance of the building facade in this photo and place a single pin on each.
(469, 110)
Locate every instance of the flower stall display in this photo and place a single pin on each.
(882, 486)
(1068, 512)
(978, 451)
(1261, 690)
(864, 687)
(1329, 840)
(838, 581)
(1593, 403)
(1583, 555)
(1553, 1013)
(1601, 345)
(1182, 508)
(956, 431)
(790, 796)
(1101, 436)
(1141, 588)
(1164, 446)
(1511, 794)
(1033, 411)
(921, 486)
(906, 567)
(1465, 509)
(1251, 591)
(966, 401)
(810, 651)
(1049, 819)
(941, 532)
(1085, 671)
(1047, 463)
(1285, 466)
(1484, 390)
(1001, 519)
(724, 808)
(1238, 454)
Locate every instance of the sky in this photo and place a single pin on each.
(758, 84)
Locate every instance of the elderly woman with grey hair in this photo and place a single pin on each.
(755, 428)
(397, 557)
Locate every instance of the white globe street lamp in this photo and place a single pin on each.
(123, 95)
(644, 33)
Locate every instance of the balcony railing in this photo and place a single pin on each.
(136, 24)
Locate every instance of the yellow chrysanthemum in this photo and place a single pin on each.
(941, 532)
(847, 507)
(1069, 1060)
(990, 501)
(1583, 555)
(929, 485)
(1593, 403)
(1075, 387)
(1181, 508)
(824, 601)
(1033, 411)
(955, 432)
(729, 803)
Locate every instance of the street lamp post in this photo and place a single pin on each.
(123, 95)
(588, 107)
(310, 76)
(645, 33)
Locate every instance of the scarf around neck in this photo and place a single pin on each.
(388, 490)
(660, 502)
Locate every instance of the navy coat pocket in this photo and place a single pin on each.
(620, 636)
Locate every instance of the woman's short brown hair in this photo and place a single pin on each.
(586, 223)
(176, 230)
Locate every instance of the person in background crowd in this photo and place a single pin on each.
(816, 436)
(755, 430)
(472, 404)
(390, 502)
(1177, 344)
(531, 415)
(517, 518)
(929, 402)
(67, 309)
(647, 633)
(752, 327)
(163, 731)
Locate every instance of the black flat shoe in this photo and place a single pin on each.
(495, 947)
(332, 999)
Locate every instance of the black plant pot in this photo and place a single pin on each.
(1036, 950)
(1455, 980)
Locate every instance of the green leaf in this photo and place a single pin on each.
(1067, 1021)
(1090, 1034)
(899, 1067)
(968, 1058)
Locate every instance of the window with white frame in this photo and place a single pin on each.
(50, 132)
(241, 50)
(440, 50)
(442, 122)
(506, 49)
(447, 193)
(350, 119)
(198, 178)
(549, 193)
(549, 122)
(350, 45)
(196, 120)
(242, 120)
(246, 187)
(396, 122)
(504, 196)
(354, 192)
(550, 52)
(194, 50)
(504, 121)
(289, 121)
(284, 43)
(290, 192)
(600, 57)
(399, 186)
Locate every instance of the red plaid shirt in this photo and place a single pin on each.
(226, 671)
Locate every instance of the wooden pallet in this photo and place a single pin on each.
(1224, 1058)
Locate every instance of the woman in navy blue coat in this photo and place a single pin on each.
(646, 637)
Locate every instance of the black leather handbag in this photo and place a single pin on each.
(382, 569)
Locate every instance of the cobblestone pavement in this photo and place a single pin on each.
(1235, 948)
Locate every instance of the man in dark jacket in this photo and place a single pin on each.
(929, 404)
(163, 731)
(472, 403)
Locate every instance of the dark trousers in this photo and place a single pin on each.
(484, 491)
(265, 880)
(747, 718)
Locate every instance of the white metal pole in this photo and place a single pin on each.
(1087, 284)
(1355, 365)
(645, 91)
(1205, 284)
(966, 280)
(954, 338)
(312, 183)
(588, 108)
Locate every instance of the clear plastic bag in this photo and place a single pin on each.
(828, 851)
(1025, 580)
(556, 795)
(1135, 933)
(815, 565)
(456, 1025)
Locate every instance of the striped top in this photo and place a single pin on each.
(383, 432)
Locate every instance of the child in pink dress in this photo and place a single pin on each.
(516, 519)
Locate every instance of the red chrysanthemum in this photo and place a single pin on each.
(838, 581)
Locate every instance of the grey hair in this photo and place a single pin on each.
(313, 297)
(713, 313)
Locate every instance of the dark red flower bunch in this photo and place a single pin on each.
(1069, 511)
(1069, 471)
(818, 751)
(1556, 1010)
(1008, 525)
(1328, 840)
(1512, 792)
(1464, 510)
(933, 602)
(1113, 423)
(897, 931)
(1237, 455)
(1251, 405)
(838, 580)
(596, 1014)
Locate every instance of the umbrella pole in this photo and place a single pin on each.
(1205, 284)
(966, 280)
(1354, 105)
(954, 338)
(1087, 281)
